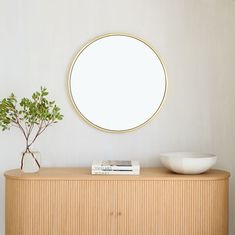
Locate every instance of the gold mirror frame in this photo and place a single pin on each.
(72, 99)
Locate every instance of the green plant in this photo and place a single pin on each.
(31, 116)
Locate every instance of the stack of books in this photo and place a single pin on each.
(111, 167)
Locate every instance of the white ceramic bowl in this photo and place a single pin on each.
(188, 162)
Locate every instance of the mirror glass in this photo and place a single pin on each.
(117, 82)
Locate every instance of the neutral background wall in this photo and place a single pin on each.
(38, 40)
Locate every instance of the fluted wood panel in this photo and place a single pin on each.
(82, 205)
(172, 207)
(60, 207)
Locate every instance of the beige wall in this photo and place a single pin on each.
(38, 40)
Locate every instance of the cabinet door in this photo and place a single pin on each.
(60, 207)
(137, 206)
(96, 204)
(172, 207)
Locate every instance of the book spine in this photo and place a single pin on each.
(114, 172)
(130, 168)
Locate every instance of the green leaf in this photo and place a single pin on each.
(29, 112)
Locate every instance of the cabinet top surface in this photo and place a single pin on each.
(85, 174)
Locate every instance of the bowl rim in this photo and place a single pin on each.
(187, 155)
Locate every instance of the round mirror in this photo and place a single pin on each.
(117, 82)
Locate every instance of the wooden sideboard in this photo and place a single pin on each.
(71, 201)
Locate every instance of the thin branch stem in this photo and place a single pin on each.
(18, 121)
(30, 130)
(22, 129)
(40, 128)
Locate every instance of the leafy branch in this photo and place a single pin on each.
(31, 116)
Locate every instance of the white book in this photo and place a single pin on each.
(115, 165)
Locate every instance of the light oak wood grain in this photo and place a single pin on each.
(85, 174)
(70, 201)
